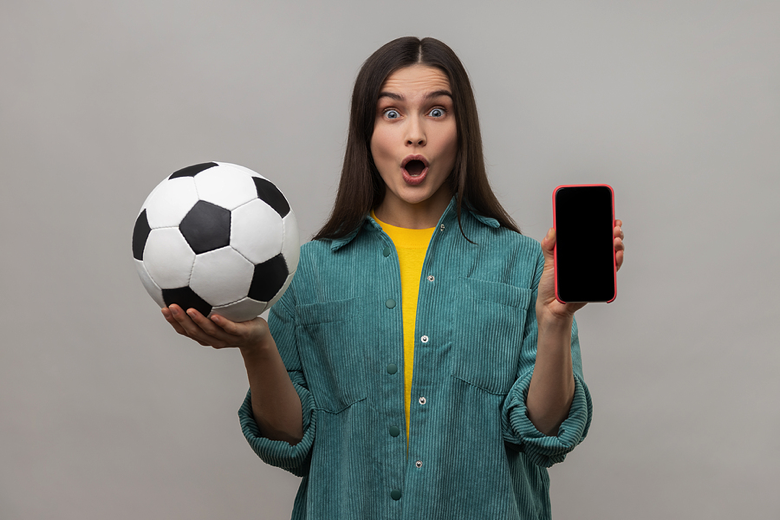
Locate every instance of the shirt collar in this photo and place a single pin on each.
(449, 214)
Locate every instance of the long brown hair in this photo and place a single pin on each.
(361, 188)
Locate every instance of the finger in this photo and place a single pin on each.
(619, 223)
(191, 328)
(229, 327)
(619, 252)
(548, 242)
(617, 232)
(166, 312)
(208, 327)
(235, 329)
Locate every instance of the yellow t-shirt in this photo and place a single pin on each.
(411, 246)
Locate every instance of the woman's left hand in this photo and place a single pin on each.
(547, 306)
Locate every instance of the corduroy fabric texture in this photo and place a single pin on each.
(410, 246)
(473, 453)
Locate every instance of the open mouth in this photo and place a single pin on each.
(415, 167)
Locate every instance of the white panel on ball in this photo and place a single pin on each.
(168, 258)
(225, 186)
(154, 291)
(221, 276)
(242, 310)
(291, 248)
(170, 201)
(257, 231)
(245, 169)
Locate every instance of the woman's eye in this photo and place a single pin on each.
(392, 114)
(436, 112)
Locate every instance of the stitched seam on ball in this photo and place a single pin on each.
(284, 237)
(234, 301)
(244, 204)
(192, 267)
(156, 285)
(242, 255)
(231, 232)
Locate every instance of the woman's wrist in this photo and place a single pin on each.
(259, 349)
(551, 321)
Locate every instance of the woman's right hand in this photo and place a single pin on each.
(217, 331)
(279, 417)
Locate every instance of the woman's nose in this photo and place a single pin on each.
(415, 135)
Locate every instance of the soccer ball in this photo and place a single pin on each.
(216, 237)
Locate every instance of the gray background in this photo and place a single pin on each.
(107, 413)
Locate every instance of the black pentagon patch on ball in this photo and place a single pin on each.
(192, 171)
(186, 298)
(268, 279)
(140, 234)
(206, 227)
(270, 194)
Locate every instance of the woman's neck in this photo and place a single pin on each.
(423, 215)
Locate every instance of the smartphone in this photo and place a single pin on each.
(584, 219)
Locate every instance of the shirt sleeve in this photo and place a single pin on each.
(293, 458)
(545, 450)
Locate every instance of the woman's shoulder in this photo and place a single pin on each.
(317, 253)
(521, 250)
(519, 239)
(316, 248)
(497, 235)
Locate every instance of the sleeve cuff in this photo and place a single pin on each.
(292, 458)
(546, 450)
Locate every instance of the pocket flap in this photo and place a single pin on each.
(326, 312)
(497, 292)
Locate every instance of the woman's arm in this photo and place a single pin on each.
(275, 403)
(552, 385)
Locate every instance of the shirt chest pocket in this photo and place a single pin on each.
(333, 352)
(490, 320)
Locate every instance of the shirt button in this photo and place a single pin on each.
(430, 278)
(442, 227)
(386, 251)
(422, 400)
(394, 431)
(424, 339)
(395, 494)
(418, 464)
(392, 368)
(390, 303)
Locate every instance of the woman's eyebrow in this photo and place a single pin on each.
(429, 95)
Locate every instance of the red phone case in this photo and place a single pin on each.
(555, 249)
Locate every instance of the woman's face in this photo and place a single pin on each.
(414, 144)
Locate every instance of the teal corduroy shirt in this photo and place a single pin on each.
(473, 453)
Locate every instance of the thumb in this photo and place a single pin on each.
(548, 245)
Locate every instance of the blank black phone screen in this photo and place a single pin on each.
(585, 259)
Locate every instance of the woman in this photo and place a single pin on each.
(419, 307)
